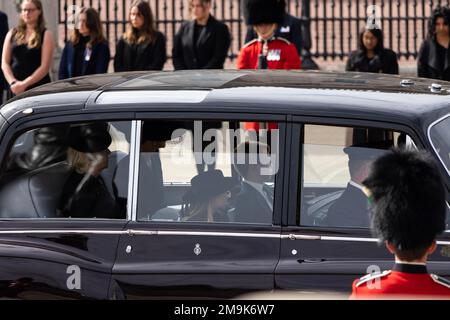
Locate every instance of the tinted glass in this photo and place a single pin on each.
(336, 160)
(439, 135)
(207, 171)
(66, 171)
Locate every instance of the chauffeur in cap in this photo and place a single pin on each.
(409, 212)
(268, 51)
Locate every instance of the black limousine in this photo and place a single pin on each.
(204, 184)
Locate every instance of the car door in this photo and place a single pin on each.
(172, 249)
(45, 254)
(325, 244)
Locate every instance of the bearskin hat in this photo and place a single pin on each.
(263, 11)
(409, 199)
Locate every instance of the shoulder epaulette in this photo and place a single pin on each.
(440, 280)
(249, 43)
(283, 39)
(372, 276)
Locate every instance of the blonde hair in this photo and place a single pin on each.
(196, 211)
(20, 32)
(82, 162)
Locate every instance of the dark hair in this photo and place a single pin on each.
(409, 201)
(148, 31)
(438, 12)
(377, 33)
(202, 1)
(94, 24)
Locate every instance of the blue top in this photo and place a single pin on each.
(94, 61)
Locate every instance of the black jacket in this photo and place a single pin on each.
(383, 62)
(3, 32)
(87, 199)
(212, 46)
(289, 29)
(350, 210)
(428, 65)
(148, 56)
(251, 207)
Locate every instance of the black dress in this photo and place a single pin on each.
(25, 61)
(140, 57)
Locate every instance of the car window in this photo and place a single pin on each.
(207, 171)
(66, 171)
(335, 162)
(439, 133)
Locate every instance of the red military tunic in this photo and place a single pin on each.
(405, 280)
(281, 55)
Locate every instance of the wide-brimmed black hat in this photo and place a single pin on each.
(90, 138)
(263, 11)
(207, 185)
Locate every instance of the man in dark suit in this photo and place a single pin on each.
(202, 43)
(352, 208)
(254, 203)
(3, 31)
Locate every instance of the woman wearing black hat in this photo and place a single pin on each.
(371, 55)
(85, 194)
(207, 200)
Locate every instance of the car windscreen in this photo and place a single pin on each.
(439, 135)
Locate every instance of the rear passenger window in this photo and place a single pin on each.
(336, 160)
(207, 171)
(66, 171)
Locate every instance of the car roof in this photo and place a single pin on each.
(345, 94)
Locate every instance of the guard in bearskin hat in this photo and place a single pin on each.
(408, 213)
(268, 51)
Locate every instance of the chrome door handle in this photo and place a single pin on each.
(302, 237)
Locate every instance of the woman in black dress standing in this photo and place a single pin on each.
(28, 50)
(371, 55)
(142, 47)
